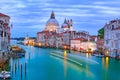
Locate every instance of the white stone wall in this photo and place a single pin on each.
(112, 37)
(4, 40)
(84, 45)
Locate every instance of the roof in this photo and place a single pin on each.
(112, 21)
(83, 39)
(3, 15)
(118, 28)
(45, 31)
(48, 35)
(93, 36)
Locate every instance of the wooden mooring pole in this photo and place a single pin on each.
(21, 71)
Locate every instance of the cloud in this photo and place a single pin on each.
(110, 12)
(106, 2)
(33, 14)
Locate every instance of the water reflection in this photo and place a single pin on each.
(32, 51)
(65, 63)
(105, 62)
(65, 53)
(87, 55)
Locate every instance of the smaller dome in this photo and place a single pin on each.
(65, 24)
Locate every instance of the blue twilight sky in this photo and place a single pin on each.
(30, 16)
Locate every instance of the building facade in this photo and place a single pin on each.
(53, 36)
(112, 37)
(4, 32)
(28, 41)
(83, 41)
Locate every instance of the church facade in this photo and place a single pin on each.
(59, 37)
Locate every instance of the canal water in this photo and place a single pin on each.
(40, 65)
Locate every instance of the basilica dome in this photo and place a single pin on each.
(52, 24)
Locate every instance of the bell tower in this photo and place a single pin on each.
(71, 24)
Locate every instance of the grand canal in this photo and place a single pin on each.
(40, 65)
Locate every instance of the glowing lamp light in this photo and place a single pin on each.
(107, 53)
(39, 44)
(65, 47)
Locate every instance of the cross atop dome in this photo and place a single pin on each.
(52, 15)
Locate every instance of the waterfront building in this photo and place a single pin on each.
(67, 36)
(53, 36)
(4, 32)
(46, 38)
(112, 37)
(81, 44)
(83, 41)
(59, 40)
(100, 43)
(28, 41)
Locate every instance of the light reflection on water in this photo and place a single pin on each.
(80, 69)
(105, 65)
(107, 61)
(107, 69)
(87, 55)
(65, 66)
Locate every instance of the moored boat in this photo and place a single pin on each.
(5, 75)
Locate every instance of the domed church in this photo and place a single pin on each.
(67, 25)
(52, 24)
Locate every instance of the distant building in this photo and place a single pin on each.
(46, 38)
(53, 36)
(4, 32)
(83, 41)
(59, 40)
(28, 41)
(81, 45)
(100, 41)
(112, 37)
